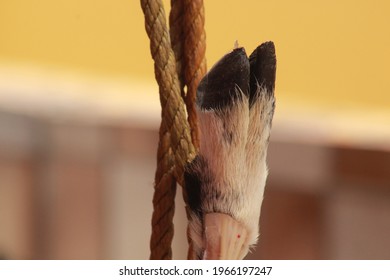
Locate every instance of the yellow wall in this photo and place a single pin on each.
(334, 53)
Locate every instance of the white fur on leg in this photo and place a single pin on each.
(260, 116)
(225, 182)
(233, 150)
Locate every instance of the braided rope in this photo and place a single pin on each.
(186, 26)
(175, 147)
(194, 57)
(186, 22)
(176, 20)
(163, 201)
(174, 135)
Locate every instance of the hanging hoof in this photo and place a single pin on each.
(225, 182)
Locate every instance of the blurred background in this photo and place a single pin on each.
(79, 115)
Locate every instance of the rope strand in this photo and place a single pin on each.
(186, 26)
(182, 63)
(194, 58)
(175, 140)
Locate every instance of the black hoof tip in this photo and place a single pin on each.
(263, 68)
(218, 88)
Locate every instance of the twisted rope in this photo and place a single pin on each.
(186, 22)
(188, 40)
(194, 57)
(175, 147)
(176, 20)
